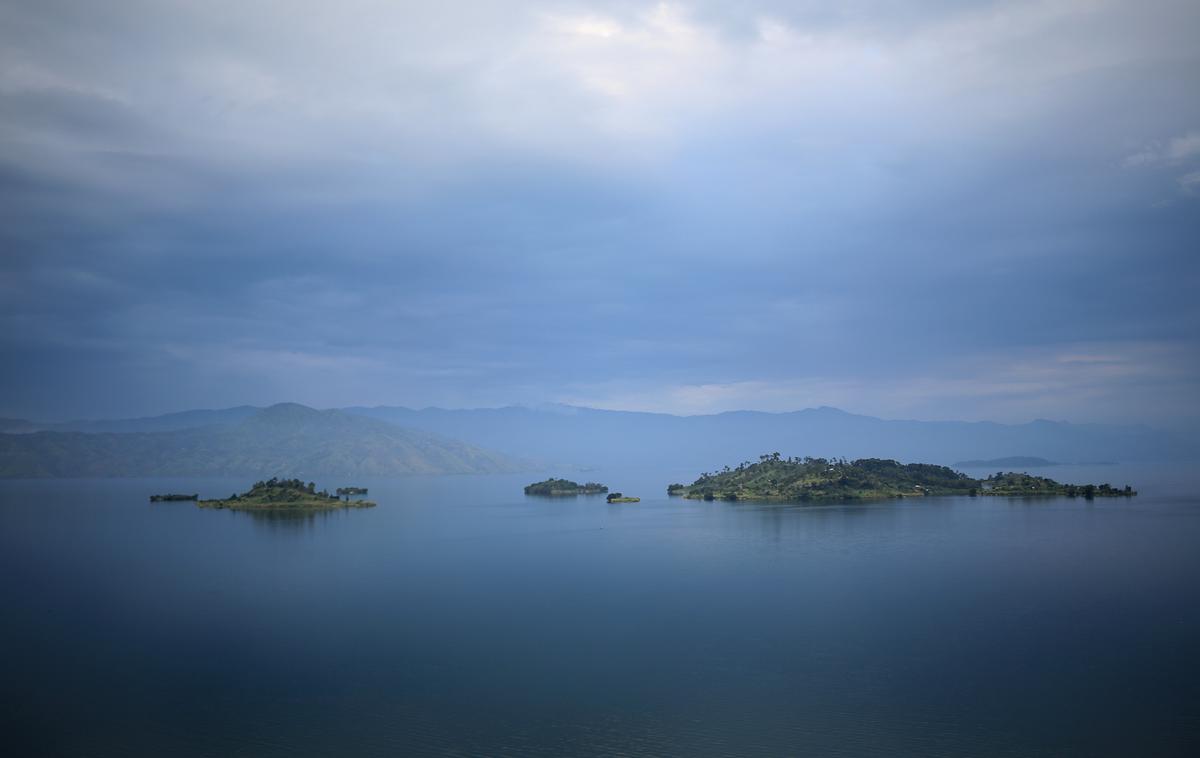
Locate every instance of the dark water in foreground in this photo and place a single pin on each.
(461, 618)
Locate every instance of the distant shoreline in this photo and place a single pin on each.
(1024, 461)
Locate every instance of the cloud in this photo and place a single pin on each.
(1172, 155)
(1176, 150)
(688, 204)
(1185, 147)
(1013, 385)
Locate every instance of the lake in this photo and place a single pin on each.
(460, 617)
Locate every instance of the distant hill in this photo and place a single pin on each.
(16, 426)
(570, 435)
(283, 440)
(563, 436)
(1009, 463)
(165, 423)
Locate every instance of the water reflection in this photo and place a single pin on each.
(294, 520)
(789, 521)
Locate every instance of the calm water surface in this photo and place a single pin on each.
(462, 618)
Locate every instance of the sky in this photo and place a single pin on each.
(936, 210)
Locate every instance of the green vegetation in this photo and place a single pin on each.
(617, 497)
(774, 478)
(1026, 485)
(564, 488)
(285, 494)
(172, 496)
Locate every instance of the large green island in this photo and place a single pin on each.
(778, 479)
(564, 488)
(288, 494)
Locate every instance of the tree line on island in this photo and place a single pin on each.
(776, 478)
(275, 493)
(779, 479)
(771, 478)
(568, 488)
(564, 488)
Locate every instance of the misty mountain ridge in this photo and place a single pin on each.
(1008, 463)
(282, 440)
(577, 437)
(167, 422)
(615, 438)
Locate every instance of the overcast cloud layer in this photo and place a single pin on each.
(930, 209)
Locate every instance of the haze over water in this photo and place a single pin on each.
(460, 617)
(632, 241)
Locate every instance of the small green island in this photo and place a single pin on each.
(290, 494)
(1025, 485)
(172, 497)
(617, 497)
(774, 478)
(564, 488)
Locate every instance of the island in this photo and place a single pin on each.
(1027, 485)
(564, 488)
(617, 497)
(172, 497)
(774, 478)
(287, 494)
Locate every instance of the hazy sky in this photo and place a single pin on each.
(937, 209)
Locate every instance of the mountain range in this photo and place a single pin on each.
(617, 438)
(290, 439)
(283, 440)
